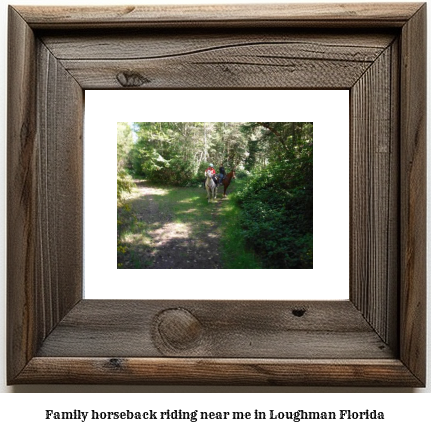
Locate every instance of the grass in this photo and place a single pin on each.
(133, 241)
(186, 206)
(235, 254)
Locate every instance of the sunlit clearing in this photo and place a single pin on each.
(137, 239)
(189, 200)
(169, 232)
(154, 191)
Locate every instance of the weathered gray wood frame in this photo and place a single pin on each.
(377, 338)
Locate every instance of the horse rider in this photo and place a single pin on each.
(210, 170)
(222, 172)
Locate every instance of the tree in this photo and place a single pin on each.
(277, 202)
(124, 147)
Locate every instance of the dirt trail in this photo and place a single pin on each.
(174, 228)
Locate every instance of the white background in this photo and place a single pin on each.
(329, 278)
(403, 410)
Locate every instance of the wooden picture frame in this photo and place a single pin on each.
(376, 338)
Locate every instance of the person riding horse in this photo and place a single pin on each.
(222, 174)
(211, 182)
(210, 170)
(221, 178)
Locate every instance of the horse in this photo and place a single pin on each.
(226, 181)
(210, 186)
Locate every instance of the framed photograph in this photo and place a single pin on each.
(194, 249)
(376, 337)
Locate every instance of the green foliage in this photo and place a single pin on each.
(124, 184)
(274, 159)
(125, 217)
(165, 152)
(178, 153)
(235, 253)
(277, 217)
(242, 174)
(124, 146)
(174, 171)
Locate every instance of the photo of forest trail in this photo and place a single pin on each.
(165, 219)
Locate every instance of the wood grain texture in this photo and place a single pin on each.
(21, 194)
(413, 194)
(45, 105)
(391, 295)
(197, 371)
(59, 245)
(226, 329)
(55, 337)
(210, 60)
(319, 15)
(374, 195)
(141, 44)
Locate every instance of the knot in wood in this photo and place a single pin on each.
(115, 363)
(131, 79)
(298, 312)
(178, 329)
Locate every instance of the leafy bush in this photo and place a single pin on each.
(156, 168)
(242, 174)
(174, 172)
(124, 183)
(277, 216)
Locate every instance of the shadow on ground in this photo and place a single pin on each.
(169, 228)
